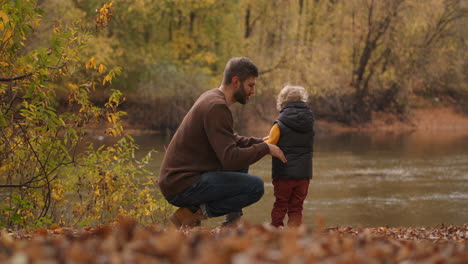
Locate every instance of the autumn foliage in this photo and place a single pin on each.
(353, 56)
(49, 172)
(58, 58)
(130, 242)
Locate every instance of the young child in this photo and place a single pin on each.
(293, 133)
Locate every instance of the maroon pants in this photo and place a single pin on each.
(290, 195)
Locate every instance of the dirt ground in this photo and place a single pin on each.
(424, 119)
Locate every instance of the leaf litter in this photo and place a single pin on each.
(127, 241)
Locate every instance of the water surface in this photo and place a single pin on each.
(411, 179)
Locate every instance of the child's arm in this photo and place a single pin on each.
(274, 135)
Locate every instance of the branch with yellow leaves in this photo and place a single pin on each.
(23, 76)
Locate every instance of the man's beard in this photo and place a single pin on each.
(240, 95)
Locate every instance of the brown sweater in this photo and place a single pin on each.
(205, 141)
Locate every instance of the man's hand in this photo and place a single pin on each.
(276, 152)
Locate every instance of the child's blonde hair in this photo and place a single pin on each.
(291, 93)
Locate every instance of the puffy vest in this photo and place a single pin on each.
(296, 123)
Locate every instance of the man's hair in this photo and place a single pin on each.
(241, 67)
(291, 93)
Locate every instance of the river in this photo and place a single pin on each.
(381, 179)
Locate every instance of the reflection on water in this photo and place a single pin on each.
(413, 179)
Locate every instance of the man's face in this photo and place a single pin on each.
(245, 90)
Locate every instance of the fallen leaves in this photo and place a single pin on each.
(130, 242)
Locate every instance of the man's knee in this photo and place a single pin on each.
(258, 188)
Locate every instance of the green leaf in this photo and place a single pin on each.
(16, 218)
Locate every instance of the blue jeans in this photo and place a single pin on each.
(220, 192)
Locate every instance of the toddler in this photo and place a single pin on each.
(293, 133)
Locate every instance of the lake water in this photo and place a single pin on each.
(381, 179)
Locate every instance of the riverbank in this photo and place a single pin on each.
(436, 123)
(130, 242)
(441, 120)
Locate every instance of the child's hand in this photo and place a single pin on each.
(266, 138)
(276, 152)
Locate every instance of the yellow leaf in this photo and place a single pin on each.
(110, 118)
(4, 18)
(91, 63)
(4, 64)
(108, 79)
(73, 86)
(7, 35)
(101, 68)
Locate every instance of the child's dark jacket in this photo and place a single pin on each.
(296, 123)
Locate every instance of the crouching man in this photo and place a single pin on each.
(203, 170)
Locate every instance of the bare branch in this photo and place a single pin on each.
(449, 15)
(10, 79)
(58, 67)
(274, 67)
(12, 185)
(20, 77)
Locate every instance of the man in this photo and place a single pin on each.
(204, 169)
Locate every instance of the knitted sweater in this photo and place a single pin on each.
(205, 141)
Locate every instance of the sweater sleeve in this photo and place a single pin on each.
(243, 141)
(218, 124)
(274, 135)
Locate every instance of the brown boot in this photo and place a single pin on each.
(184, 217)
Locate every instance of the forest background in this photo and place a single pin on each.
(69, 65)
(354, 57)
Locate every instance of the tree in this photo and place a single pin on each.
(370, 51)
(44, 177)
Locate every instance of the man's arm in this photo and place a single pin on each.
(218, 127)
(244, 142)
